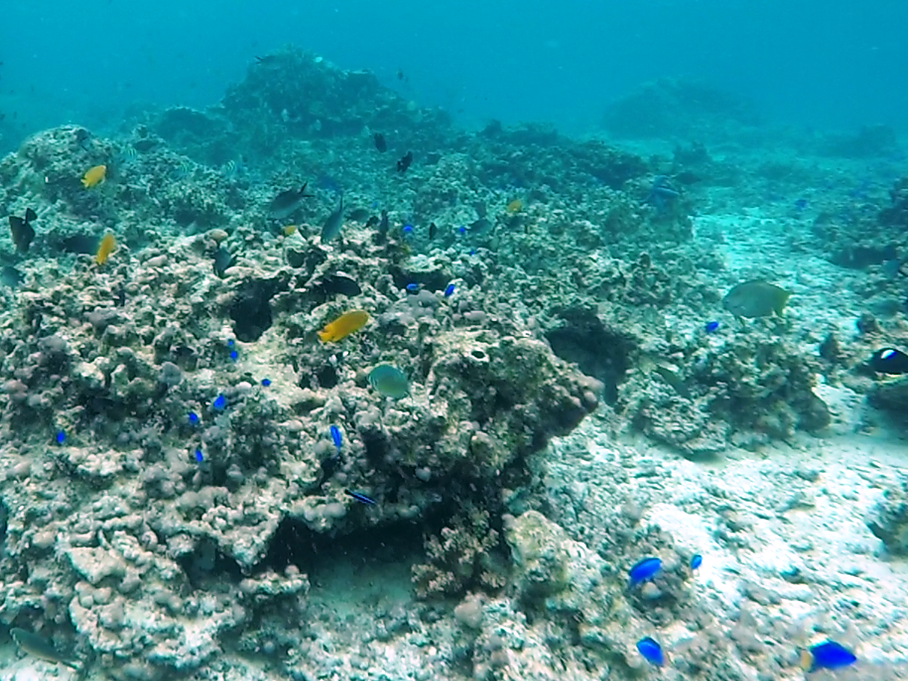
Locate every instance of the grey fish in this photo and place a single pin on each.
(38, 647)
(333, 224)
(359, 214)
(756, 298)
(10, 276)
(287, 202)
(223, 260)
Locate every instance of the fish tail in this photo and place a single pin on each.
(783, 301)
(805, 661)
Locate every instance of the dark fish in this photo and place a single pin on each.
(383, 226)
(339, 283)
(372, 221)
(83, 244)
(22, 231)
(893, 268)
(405, 162)
(287, 202)
(380, 143)
(826, 655)
(889, 361)
(223, 260)
(360, 497)
(756, 298)
(38, 647)
(10, 276)
(651, 651)
(480, 226)
(400, 74)
(333, 223)
(661, 193)
(358, 214)
(433, 230)
(643, 570)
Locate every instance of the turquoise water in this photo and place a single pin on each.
(814, 63)
(482, 341)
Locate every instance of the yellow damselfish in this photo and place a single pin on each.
(515, 206)
(343, 326)
(287, 230)
(105, 248)
(94, 176)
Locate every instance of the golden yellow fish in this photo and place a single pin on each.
(105, 248)
(515, 206)
(287, 230)
(343, 326)
(94, 176)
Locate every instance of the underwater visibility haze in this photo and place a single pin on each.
(485, 341)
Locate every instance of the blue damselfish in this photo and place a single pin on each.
(643, 570)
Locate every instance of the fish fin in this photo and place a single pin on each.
(324, 336)
(30, 215)
(781, 303)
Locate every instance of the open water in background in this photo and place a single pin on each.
(821, 63)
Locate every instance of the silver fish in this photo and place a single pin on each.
(38, 647)
(333, 224)
(287, 203)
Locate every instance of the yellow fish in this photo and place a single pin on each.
(94, 176)
(343, 326)
(288, 230)
(105, 248)
(515, 206)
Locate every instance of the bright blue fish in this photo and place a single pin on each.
(233, 355)
(827, 655)
(651, 651)
(696, 561)
(360, 497)
(198, 456)
(643, 570)
(412, 287)
(60, 437)
(449, 290)
(266, 382)
(219, 403)
(192, 418)
(336, 436)
(711, 327)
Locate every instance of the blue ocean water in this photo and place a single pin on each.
(817, 63)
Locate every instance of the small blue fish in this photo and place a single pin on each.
(643, 570)
(198, 456)
(266, 382)
(60, 437)
(711, 327)
(192, 418)
(219, 403)
(233, 355)
(360, 497)
(412, 287)
(336, 436)
(651, 651)
(696, 561)
(449, 290)
(826, 655)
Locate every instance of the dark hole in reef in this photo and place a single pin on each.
(327, 376)
(206, 566)
(598, 351)
(295, 544)
(250, 309)
(376, 443)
